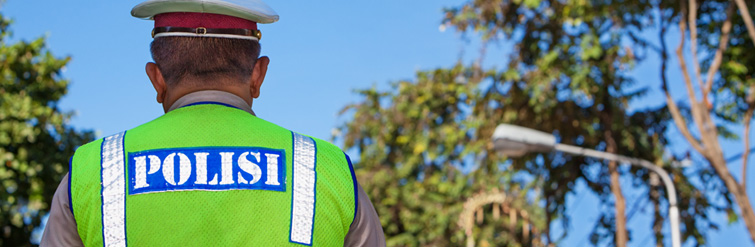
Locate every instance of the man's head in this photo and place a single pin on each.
(188, 64)
(198, 62)
(206, 45)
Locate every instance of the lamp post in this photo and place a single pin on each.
(516, 141)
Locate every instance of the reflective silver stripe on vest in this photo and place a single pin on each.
(305, 179)
(113, 191)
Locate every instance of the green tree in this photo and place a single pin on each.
(427, 164)
(35, 140)
(426, 157)
(574, 49)
(719, 78)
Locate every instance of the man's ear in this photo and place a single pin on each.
(258, 76)
(158, 81)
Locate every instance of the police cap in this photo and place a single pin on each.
(206, 18)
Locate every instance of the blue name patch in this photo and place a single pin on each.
(206, 168)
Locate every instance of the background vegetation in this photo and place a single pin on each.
(36, 142)
(426, 154)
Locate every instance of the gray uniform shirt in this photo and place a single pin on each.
(61, 227)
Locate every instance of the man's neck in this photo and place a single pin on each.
(216, 96)
(173, 93)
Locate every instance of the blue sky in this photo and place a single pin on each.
(319, 54)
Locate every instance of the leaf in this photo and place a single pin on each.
(532, 3)
(732, 216)
(736, 67)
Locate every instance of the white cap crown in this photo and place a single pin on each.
(253, 10)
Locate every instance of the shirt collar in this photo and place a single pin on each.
(212, 96)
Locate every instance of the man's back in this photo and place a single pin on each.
(209, 174)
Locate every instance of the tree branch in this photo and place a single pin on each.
(747, 120)
(745, 156)
(681, 124)
(747, 18)
(683, 64)
(675, 113)
(692, 23)
(673, 108)
(722, 44)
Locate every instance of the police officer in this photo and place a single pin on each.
(209, 172)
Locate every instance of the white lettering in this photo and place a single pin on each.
(154, 164)
(202, 168)
(215, 169)
(250, 167)
(141, 169)
(214, 180)
(140, 164)
(184, 166)
(272, 169)
(226, 168)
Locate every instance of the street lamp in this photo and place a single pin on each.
(516, 141)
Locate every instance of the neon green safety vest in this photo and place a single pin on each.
(211, 175)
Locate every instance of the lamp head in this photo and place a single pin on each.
(516, 141)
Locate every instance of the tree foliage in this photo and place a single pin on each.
(425, 144)
(35, 140)
(422, 156)
(719, 88)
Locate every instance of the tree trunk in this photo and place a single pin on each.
(743, 201)
(715, 156)
(606, 117)
(621, 220)
(701, 110)
(657, 217)
(740, 196)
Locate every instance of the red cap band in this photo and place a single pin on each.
(206, 20)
